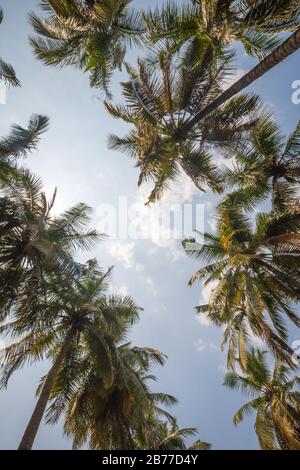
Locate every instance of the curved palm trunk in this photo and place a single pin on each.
(37, 415)
(283, 51)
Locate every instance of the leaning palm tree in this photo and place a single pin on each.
(33, 241)
(92, 35)
(160, 103)
(17, 146)
(267, 164)
(276, 402)
(291, 45)
(215, 23)
(256, 284)
(7, 73)
(75, 312)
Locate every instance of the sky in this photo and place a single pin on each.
(73, 157)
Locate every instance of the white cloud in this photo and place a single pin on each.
(203, 320)
(199, 345)
(149, 283)
(139, 267)
(212, 222)
(213, 346)
(207, 290)
(204, 299)
(122, 252)
(161, 223)
(224, 163)
(123, 290)
(153, 222)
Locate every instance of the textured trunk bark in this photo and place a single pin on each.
(37, 415)
(283, 51)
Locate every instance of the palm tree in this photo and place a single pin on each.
(125, 416)
(275, 401)
(267, 164)
(215, 23)
(75, 312)
(165, 435)
(255, 283)
(18, 144)
(92, 35)
(33, 241)
(108, 418)
(211, 25)
(160, 104)
(7, 73)
(279, 54)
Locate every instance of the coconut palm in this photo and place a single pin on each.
(276, 402)
(266, 163)
(255, 283)
(127, 415)
(108, 418)
(215, 23)
(279, 54)
(92, 35)
(211, 25)
(18, 144)
(165, 435)
(160, 103)
(7, 73)
(75, 313)
(33, 241)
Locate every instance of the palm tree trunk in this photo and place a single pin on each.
(283, 51)
(37, 415)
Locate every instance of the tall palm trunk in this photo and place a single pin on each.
(283, 51)
(37, 415)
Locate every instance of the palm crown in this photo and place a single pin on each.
(18, 144)
(72, 318)
(33, 241)
(160, 103)
(276, 402)
(266, 163)
(215, 23)
(108, 418)
(91, 35)
(256, 283)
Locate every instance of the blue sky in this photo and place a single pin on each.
(73, 157)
